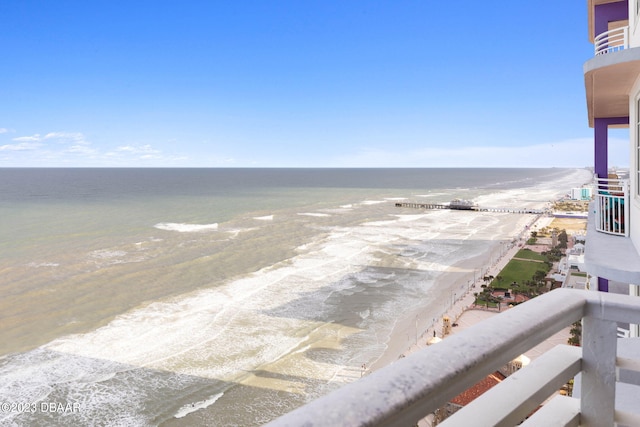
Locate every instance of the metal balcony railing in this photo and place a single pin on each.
(612, 41)
(612, 206)
(411, 388)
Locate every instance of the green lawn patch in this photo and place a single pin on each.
(484, 303)
(529, 254)
(519, 271)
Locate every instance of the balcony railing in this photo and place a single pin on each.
(409, 389)
(612, 206)
(612, 41)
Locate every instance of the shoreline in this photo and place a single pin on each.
(407, 328)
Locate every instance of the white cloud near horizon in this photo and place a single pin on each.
(144, 149)
(23, 146)
(35, 137)
(72, 149)
(61, 137)
(77, 137)
(569, 153)
(81, 149)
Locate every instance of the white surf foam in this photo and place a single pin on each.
(192, 407)
(234, 232)
(227, 316)
(186, 228)
(107, 254)
(313, 214)
(432, 195)
(43, 264)
(535, 197)
(407, 217)
(264, 218)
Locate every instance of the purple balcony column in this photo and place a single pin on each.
(609, 12)
(601, 166)
(603, 284)
(601, 143)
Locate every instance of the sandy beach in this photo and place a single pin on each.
(462, 312)
(409, 337)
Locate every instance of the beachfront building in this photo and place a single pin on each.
(612, 83)
(606, 368)
(582, 193)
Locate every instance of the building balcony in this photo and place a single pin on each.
(609, 75)
(609, 252)
(612, 41)
(611, 207)
(408, 390)
(622, 14)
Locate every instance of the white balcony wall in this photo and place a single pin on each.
(634, 26)
(634, 166)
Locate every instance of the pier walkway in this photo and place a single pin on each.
(471, 208)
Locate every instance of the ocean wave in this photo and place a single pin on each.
(432, 195)
(410, 217)
(106, 257)
(264, 218)
(43, 264)
(233, 233)
(313, 214)
(192, 407)
(107, 254)
(186, 228)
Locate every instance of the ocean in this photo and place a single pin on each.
(227, 297)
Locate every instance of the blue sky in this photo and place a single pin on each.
(283, 83)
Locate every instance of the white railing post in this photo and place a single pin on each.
(625, 38)
(627, 191)
(598, 372)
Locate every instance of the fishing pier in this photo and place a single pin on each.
(466, 207)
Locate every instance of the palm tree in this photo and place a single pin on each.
(576, 334)
(539, 275)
